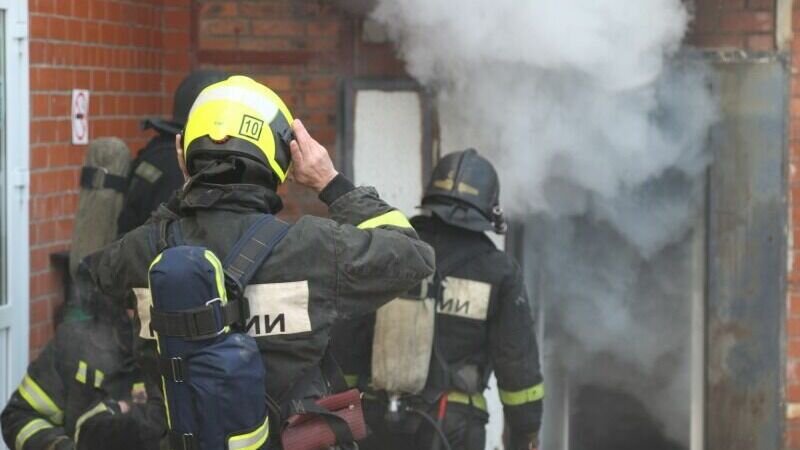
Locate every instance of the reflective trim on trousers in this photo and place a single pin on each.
(252, 440)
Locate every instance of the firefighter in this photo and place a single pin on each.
(85, 373)
(154, 174)
(483, 324)
(237, 148)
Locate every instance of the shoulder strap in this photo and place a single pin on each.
(332, 372)
(252, 250)
(100, 178)
(165, 233)
(244, 259)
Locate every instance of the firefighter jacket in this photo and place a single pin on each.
(483, 323)
(154, 177)
(83, 371)
(363, 256)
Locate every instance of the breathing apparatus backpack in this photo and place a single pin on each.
(212, 373)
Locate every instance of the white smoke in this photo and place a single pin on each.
(592, 118)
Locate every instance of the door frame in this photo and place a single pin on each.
(14, 314)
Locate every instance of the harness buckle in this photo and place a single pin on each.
(196, 330)
(177, 369)
(187, 439)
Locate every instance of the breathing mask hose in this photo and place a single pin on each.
(436, 426)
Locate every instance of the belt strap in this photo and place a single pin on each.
(251, 251)
(199, 323)
(99, 178)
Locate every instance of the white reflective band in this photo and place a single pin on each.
(235, 94)
(31, 428)
(98, 408)
(468, 299)
(40, 401)
(80, 375)
(250, 441)
(278, 308)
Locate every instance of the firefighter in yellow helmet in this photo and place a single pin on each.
(239, 144)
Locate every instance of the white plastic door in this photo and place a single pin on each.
(14, 141)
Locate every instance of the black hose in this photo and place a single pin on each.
(434, 424)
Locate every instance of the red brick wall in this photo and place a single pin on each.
(793, 309)
(740, 24)
(117, 49)
(131, 54)
(302, 49)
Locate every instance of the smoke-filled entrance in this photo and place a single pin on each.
(646, 183)
(618, 331)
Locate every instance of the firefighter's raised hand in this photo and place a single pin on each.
(311, 164)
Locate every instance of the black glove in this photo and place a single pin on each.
(524, 441)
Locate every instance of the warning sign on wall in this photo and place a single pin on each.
(80, 117)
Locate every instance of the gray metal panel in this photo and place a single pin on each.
(746, 252)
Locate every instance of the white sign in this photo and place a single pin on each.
(80, 117)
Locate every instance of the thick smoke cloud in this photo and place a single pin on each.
(597, 123)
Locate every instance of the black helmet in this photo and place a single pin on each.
(185, 95)
(464, 191)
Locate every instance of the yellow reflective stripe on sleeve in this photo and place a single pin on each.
(98, 378)
(219, 274)
(351, 380)
(40, 401)
(98, 408)
(476, 400)
(30, 428)
(80, 375)
(394, 218)
(516, 398)
(252, 440)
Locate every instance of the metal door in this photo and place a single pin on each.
(14, 132)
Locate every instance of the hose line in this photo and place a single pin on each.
(434, 424)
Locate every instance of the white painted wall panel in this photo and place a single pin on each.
(387, 148)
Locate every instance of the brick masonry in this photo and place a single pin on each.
(123, 51)
(133, 53)
(301, 49)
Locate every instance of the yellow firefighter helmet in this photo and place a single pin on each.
(242, 117)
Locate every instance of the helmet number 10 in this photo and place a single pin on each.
(251, 127)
